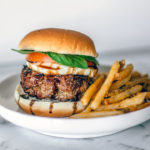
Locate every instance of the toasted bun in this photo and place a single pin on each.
(46, 108)
(59, 41)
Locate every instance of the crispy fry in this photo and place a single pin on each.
(105, 87)
(96, 114)
(92, 90)
(119, 97)
(134, 108)
(114, 92)
(147, 95)
(145, 75)
(88, 108)
(148, 82)
(124, 73)
(136, 100)
(97, 76)
(136, 81)
(122, 64)
(135, 74)
(148, 88)
(143, 105)
(120, 83)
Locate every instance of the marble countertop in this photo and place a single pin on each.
(136, 138)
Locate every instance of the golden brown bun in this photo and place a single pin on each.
(46, 108)
(59, 41)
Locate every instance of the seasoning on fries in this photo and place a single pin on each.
(136, 100)
(118, 97)
(120, 83)
(119, 91)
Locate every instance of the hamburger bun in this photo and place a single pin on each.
(59, 41)
(46, 108)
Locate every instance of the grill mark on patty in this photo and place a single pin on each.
(51, 107)
(31, 104)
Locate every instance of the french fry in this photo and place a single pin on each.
(97, 76)
(134, 108)
(120, 83)
(88, 108)
(143, 105)
(105, 87)
(122, 64)
(145, 75)
(124, 73)
(136, 100)
(114, 92)
(92, 90)
(148, 82)
(96, 114)
(148, 88)
(147, 95)
(136, 81)
(119, 97)
(135, 74)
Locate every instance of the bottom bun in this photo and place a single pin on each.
(45, 107)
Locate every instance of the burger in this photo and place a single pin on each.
(60, 66)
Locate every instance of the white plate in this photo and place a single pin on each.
(64, 127)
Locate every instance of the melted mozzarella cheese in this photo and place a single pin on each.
(61, 69)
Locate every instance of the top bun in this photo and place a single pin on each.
(59, 41)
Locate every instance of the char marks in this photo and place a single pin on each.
(31, 104)
(57, 87)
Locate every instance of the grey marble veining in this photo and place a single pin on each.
(136, 138)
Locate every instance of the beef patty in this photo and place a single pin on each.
(55, 87)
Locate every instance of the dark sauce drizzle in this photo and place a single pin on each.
(51, 107)
(31, 104)
(74, 108)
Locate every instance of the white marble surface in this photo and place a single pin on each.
(136, 138)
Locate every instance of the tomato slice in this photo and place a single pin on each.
(39, 57)
(43, 58)
(90, 64)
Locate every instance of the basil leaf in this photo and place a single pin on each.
(90, 58)
(79, 61)
(68, 60)
(23, 51)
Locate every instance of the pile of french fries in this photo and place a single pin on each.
(120, 91)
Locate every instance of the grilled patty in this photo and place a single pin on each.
(54, 87)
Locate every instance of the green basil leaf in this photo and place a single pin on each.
(90, 58)
(23, 51)
(68, 60)
(79, 61)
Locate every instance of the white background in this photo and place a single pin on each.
(114, 25)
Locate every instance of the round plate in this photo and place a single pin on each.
(64, 127)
